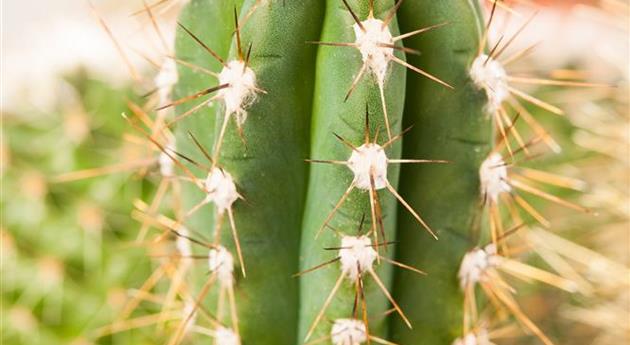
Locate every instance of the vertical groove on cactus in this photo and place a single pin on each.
(451, 124)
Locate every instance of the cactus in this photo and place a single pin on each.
(374, 95)
(354, 92)
(294, 122)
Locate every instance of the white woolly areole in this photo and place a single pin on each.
(241, 91)
(493, 176)
(226, 336)
(356, 253)
(221, 189)
(475, 265)
(165, 80)
(376, 57)
(491, 77)
(477, 338)
(166, 164)
(183, 244)
(221, 262)
(369, 159)
(348, 332)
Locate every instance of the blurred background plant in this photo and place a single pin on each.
(67, 267)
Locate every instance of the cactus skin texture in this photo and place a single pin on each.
(336, 69)
(269, 169)
(296, 118)
(450, 124)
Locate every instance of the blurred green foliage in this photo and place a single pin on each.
(65, 264)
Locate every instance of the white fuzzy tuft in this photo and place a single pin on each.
(376, 57)
(221, 189)
(221, 261)
(166, 164)
(369, 159)
(165, 80)
(475, 265)
(493, 176)
(226, 336)
(348, 332)
(182, 244)
(489, 75)
(356, 253)
(241, 91)
(479, 337)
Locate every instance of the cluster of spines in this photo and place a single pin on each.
(237, 91)
(501, 181)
